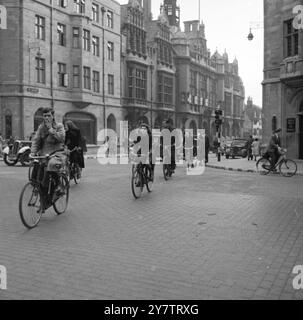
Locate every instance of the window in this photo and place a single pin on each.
(111, 84)
(40, 70)
(130, 82)
(61, 31)
(96, 81)
(140, 84)
(165, 89)
(291, 47)
(76, 77)
(86, 78)
(110, 19)
(86, 40)
(76, 38)
(110, 50)
(95, 12)
(62, 75)
(96, 46)
(79, 6)
(62, 3)
(40, 28)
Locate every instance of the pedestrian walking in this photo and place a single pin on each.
(249, 148)
(207, 146)
(256, 149)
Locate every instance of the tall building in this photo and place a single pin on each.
(283, 74)
(206, 82)
(63, 54)
(147, 66)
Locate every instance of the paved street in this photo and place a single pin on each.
(223, 235)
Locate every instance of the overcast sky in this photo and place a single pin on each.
(227, 26)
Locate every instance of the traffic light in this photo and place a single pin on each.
(218, 117)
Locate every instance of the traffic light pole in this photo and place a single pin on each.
(218, 122)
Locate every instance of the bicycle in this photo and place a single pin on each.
(141, 176)
(43, 192)
(287, 167)
(74, 170)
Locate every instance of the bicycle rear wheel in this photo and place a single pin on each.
(137, 182)
(166, 171)
(263, 166)
(77, 174)
(288, 168)
(61, 203)
(30, 206)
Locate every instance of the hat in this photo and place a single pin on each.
(278, 130)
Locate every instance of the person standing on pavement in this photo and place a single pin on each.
(207, 146)
(249, 148)
(256, 149)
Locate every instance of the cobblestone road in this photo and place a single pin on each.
(223, 235)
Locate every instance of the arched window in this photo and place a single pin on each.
(8, 124)
(111, 122)
(86, 122)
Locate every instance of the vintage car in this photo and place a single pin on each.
(238, 148)
(18, 151)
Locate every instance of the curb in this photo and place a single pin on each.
(240, 170)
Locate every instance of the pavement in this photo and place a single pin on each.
(222, 235)
(241, 165)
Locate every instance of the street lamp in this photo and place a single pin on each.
(254, 26)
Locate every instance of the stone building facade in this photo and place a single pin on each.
(283, 75)
(63, 54)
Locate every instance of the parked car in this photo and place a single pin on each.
(226, 147)
(17, 151)
(238, 148)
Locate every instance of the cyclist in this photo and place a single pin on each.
(169, 126)
(274, 148)
(73, 141)
(144, 130)
(49, 139)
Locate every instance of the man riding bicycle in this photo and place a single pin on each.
(145, 131)
(274, 148)
(169, 126)
(49, 139)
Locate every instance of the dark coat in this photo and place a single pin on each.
(274, 144)
(73, 139)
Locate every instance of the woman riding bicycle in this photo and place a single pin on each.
(73, 141)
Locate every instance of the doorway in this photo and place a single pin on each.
(301, 136)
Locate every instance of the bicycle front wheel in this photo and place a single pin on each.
(62, 195)
(263, 166)
(137, 182)
(288, 168)
(30, 206)
(150, 180)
